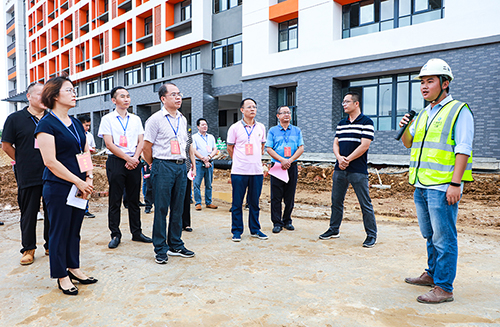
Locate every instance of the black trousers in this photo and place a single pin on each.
(119, 178)
(186, 213)
(28, 199)
(286, 192)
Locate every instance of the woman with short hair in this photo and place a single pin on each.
(62, 142)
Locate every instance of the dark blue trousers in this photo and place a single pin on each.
(64, 233)
(240, 185)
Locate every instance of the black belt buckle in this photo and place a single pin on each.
(179, 161)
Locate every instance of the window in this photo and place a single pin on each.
(287, 96)
(288, 35)
(223, 5)
(185, 10)
(148, 25)
(106, 83)
(92, 87)
(386, 99)
(370, 16)
(226, 52)
(133, 76)
(154, 70)
(190, 60)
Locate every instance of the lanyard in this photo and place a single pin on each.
(34, 120)
(204, 138)
(76, 136)
(245, 127)
(286, 138)
(126, 125)
(175, 130)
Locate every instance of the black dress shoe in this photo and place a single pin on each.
(141, 204)
(142, 238)
(89, 280)
(277, 229)
(289, 227)
(114, 243)
(1, 223)
(187, 229)
(147, 210)
(71, 291)
(89, 215)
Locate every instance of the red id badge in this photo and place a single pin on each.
(36, 144)
(209, 149)
(288, 151)
(84, 161)
(174, 147)
(249, 149)
(123, 141)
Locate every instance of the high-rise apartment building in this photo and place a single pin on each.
(302, 53)
(15, 40)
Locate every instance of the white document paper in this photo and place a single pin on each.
(73, 201)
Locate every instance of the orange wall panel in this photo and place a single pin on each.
(11, 28)
(106, 46)
(13, 75)
(11, 52)
(284, 11)
(157, 22)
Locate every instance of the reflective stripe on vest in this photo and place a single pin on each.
(432, 158)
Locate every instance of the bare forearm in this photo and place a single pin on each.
(230, 149)
(460, 166)
(9, 149)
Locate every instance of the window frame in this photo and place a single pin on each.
(286, 28)
(352, 27)
(218, 5)
(154, 64)
(190, 56)
(227, 47)
(396, 80)
(134, 72)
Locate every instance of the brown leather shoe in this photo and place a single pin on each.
(211, 206)
(436, 295)
(46, 251)
(423, 280)
(198, 207)
(28, 257)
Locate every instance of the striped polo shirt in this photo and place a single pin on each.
(349, 136)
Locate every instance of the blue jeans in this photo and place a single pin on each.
(207, 173)
(438, 225)
(169, 187)
(240, 184)
(341, 180)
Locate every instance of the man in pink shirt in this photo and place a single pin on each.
(245, 144)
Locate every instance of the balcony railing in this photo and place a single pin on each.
(11, 22)
(11, 46)
(11, 70)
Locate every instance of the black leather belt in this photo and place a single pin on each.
(177, 161)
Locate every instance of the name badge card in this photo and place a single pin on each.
(174, 147)
(84, 161)
(36, 144)
(249, 149)
(288, 151)
(123, 141)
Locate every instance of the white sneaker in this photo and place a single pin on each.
(39, 216)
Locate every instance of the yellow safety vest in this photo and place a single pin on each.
(432, 158)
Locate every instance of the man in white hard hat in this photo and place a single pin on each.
(441, 161)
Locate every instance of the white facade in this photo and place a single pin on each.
(320, 34)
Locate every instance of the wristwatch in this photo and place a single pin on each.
(90, 176)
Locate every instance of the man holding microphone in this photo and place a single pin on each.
(441, 161)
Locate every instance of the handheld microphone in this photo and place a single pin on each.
(402, 130)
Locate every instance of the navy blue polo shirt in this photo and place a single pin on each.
(67, 145)
(349, 136)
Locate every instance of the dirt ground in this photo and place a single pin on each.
(292, 279)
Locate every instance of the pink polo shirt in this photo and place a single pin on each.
(237, 135)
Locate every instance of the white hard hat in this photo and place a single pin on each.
(436, 67)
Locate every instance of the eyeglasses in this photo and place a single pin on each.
(72, 91)
(175, 95)
(346, 102)
(285, 113)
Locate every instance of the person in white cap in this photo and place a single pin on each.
(441, 161)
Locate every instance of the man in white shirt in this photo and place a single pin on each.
(124, 137)
(165, 144)
(205, 150)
